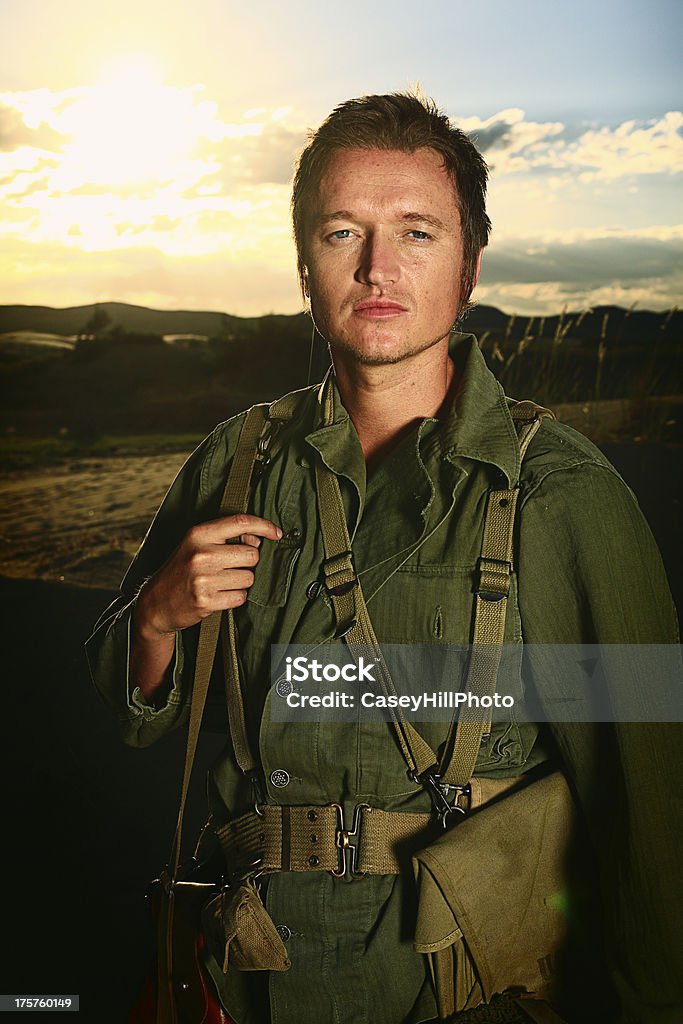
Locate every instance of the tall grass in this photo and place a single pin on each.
(569, 359)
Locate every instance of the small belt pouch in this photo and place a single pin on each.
(492, 898)
(240, 932)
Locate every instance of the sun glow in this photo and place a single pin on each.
(129, 128)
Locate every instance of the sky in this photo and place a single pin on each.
(146, 147)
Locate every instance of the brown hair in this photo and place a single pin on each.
(406, 122)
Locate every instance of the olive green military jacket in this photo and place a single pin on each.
(587, 571)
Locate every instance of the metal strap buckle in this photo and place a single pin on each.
(333, 567)
(348, 850)
(438, 792)
(503, 569)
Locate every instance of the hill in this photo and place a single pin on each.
(136, 319)
(116, 369)
(634, 325)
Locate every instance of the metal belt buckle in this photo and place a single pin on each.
(348, 850)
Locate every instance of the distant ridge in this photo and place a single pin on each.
(141, 319)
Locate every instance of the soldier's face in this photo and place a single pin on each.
(383, 251)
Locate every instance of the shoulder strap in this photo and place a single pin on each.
(351, 613)
(235, 499)
(258, 445)
(491, 597)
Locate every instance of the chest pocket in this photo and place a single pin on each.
(275, 569)
(424, 604)
(432, 604)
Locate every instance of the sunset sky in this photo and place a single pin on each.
(146, 147)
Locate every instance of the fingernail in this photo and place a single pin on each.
(278, 531)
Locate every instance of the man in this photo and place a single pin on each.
(390, 225)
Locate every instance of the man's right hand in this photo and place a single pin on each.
(211, 570)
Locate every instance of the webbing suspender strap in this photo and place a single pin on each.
(491, 597)
(495, 568)
(351, 613)
(235, 499)
(345, 592)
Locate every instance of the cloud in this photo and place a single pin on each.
(617, 259)
(15, 132)
(62, 276)
(537, 276)
(163, 199)
(549, 299)
(655, 147)
(513, 145)
(265, 156)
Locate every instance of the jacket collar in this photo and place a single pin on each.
(478, 425)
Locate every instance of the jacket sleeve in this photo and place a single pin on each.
(590, 573)
(193, 497)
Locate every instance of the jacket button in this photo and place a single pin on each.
(284, 932)
(284, 688)
(314, 861)
(312, 815)
(313, 589)
(279, 778)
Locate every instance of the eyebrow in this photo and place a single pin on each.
(410, 217)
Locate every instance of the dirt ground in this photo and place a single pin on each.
(82, 522)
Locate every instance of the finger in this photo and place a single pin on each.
(209, 593)
(236, 579)
(230, 599)
(250, 538)
(229, 527)
(235, 556)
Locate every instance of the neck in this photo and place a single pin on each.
(385, 401)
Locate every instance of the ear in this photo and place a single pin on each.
(477, 271)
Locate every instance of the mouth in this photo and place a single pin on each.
(378, 308)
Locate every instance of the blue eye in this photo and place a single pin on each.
(419, 234)
(341, 233)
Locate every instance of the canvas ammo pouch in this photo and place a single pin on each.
(491, 897)
(240, 932)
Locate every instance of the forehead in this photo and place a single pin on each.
(367, 182)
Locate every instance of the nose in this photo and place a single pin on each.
(379, 264)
